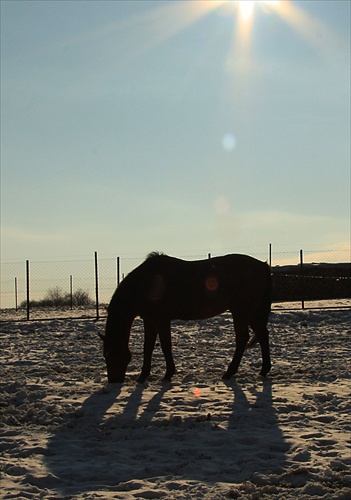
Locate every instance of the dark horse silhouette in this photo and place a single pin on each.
(164, 288)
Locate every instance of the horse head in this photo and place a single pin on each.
(117, 358)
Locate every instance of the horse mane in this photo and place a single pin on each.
(129, 287)
(152, 255)
(128, 282)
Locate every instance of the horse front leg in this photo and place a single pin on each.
(150, 334)
(242, 336)
(166, 345)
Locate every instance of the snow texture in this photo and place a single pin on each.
(67, 433)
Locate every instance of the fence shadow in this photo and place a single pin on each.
(102, 449)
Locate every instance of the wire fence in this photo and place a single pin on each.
(83, 288)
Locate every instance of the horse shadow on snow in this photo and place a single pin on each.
(121, 436)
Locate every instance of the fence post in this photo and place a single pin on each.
(71, 290)
(118, 271)
(96, 286)
(270, 255)
(16, 294)
(27, 286)
(209, 255)
(302, 281)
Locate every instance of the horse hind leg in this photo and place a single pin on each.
(242, 336)
(261, 333)
(150, 334)
(166, 345)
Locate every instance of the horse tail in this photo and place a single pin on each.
(267, 293)
(252, 342)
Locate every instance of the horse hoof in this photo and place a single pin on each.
(167, 378)
(264, 371)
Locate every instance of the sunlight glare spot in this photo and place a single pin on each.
(221, 205)
(228, 142)
(246, 8)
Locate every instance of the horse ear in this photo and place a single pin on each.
(102, 336)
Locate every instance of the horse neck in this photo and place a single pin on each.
(122, 311)
(119, 323)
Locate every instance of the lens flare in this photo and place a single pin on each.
(221, 205)
(211, 283)
(228, 142)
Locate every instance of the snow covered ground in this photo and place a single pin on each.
(66, 433)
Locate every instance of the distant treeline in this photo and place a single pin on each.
(311, 282)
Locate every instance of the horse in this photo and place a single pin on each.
(165, 288)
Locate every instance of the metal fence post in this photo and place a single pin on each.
(302, 281)
(16, 295)
(118, 271)
(27, 283)
(96, 286)
(71, 290)
(270, 255)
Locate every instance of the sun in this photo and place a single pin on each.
(246, 7)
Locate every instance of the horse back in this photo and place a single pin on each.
(182, 289)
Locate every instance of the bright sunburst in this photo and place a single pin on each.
(168, 19)
(246, 7)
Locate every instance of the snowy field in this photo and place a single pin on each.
(66, 433)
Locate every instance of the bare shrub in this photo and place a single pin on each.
(55, 297)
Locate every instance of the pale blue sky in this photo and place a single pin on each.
(132, 126)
